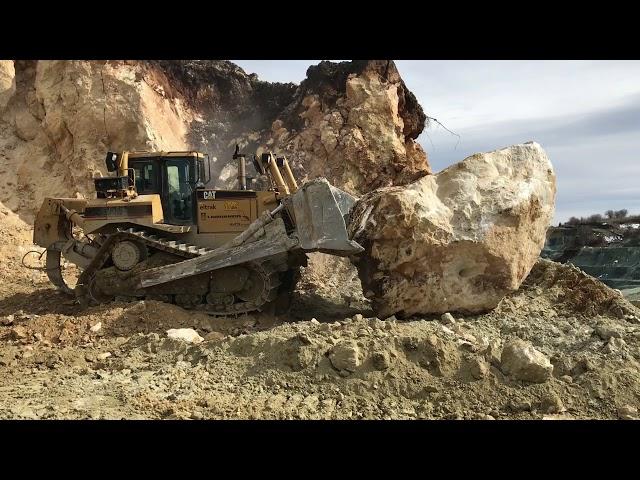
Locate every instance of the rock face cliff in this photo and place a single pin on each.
(353, 122)
(65, 115)
(459, 240)
(7, 81)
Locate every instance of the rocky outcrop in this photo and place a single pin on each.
(459, 240)
(65, 115)
(7, 81)
(353, 122)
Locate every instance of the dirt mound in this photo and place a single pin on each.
(66, 324)
(571, 289)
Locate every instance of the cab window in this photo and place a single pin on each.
(146, 176)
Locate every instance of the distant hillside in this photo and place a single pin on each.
(606, 247)
(610, 217)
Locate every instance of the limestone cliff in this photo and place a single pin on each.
(354, 122)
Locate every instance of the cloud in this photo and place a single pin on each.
(471, 93)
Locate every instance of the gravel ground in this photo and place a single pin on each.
(577, 342)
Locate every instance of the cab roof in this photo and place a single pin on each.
(143, 154)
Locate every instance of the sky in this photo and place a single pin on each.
(585, 114)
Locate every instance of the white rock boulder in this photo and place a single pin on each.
(345, 356)
(523, 362)
(188, 335)
(459, 240)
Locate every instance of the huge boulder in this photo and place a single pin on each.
(459, 240)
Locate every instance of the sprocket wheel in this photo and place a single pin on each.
(262, 284)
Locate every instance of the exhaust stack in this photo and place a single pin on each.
(242, 168)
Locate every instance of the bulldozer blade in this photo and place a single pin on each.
(263, 249)
(321, 213)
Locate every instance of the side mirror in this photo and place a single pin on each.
(112, 161)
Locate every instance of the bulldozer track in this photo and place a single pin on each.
(267, 270)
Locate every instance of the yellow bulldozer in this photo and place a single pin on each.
(155, 231)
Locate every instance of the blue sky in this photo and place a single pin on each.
(586, 114)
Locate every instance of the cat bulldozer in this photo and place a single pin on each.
(155, 231)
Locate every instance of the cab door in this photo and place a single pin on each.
(178, 197)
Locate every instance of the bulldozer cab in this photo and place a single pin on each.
(173, 176)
